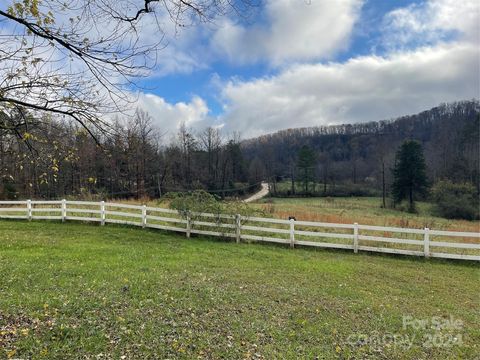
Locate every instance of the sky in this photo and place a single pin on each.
(297, 63)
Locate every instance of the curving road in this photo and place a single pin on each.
(260, 194)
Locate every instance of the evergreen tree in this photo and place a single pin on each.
(409, 173)
(306, 163)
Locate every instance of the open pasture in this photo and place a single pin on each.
(78, 290)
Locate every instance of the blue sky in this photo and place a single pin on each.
(181, 87)
(316, 62)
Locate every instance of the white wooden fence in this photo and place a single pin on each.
(405, 241)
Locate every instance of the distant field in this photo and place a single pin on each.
(84, 291)
(363, 210)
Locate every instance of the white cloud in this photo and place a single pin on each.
(167, 117)
(362, 89)
(415, 75)
(295, 30)
(182, 50)
(432, 21)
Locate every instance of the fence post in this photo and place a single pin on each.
(29, 209)
(237, 227)
(144, 216)
(102, 213)
(426, 243)
(64, 210)
(355, 238)
(292, 233)
(189, 224)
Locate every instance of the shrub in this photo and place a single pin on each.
(192, 203)
(8, 190)
(88, 195)
(339, 190)
(456, 201)
(198, 201)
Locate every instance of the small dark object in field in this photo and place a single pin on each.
(125, 288)
(292, 218)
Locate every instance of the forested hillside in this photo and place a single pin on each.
(364, 153)
(53, 158)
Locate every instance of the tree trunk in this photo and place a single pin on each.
(293, 180)
(325, 184)
(354, 172)
(306, 180)
(410, 197)
(384, 190)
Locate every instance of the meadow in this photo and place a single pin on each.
(348, 210)
(78, 290)
(363, 210)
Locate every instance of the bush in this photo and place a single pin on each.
(87, 195)
(456, 201)
(339, 190)
(198, 201)
(348, 189)
(8, 190)
(190, 204)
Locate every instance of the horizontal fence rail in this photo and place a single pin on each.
(355, 237)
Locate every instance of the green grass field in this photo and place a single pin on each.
(84, 291)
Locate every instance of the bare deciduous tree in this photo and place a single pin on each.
(79, 58)
(211, 142)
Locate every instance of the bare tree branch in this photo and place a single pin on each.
(80, 59)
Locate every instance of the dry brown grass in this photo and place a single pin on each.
(344, 211)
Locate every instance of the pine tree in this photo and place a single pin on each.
(409, 173)
(306, 163)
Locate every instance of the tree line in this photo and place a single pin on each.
(358, 159)
(54, 158)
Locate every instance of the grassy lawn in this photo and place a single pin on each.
(364, 210)
(84, 291)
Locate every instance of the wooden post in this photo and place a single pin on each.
(29, 210)
(189, 224)
(144, 216)
(64, 210)
(426, 243)
(355, 238)
(292, 233)
(102, 213)
(238, 225)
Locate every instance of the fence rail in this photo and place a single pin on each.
(405, 241)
